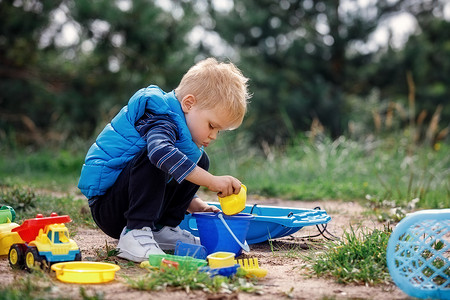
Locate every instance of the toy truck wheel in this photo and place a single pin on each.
(32, 258)
(16, 256)
(78, 257)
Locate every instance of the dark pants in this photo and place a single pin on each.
(143, 196)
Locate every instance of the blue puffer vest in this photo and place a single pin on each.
(119, 141)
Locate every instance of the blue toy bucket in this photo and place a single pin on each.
(219, 232)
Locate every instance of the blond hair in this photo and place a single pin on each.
(217, 85)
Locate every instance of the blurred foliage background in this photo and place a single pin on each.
(350, 97)
(66, 66)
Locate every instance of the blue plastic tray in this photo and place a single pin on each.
(270, 222)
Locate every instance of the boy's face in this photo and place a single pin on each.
(204, 124)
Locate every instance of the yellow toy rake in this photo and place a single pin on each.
(251, 266)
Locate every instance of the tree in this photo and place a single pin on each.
(304, 58)
(72, 88)
(423, 61)
(425, 55)
(24, 91)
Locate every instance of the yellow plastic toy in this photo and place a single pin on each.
(40, 241)
(234, 204)
(7, 238)
(221, 260)
(252, 268)
(85, 271)
(54, 238)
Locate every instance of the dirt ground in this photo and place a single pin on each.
(285, 278)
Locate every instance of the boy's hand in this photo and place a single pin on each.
(198, 205)
(225, 185)
(222, 185)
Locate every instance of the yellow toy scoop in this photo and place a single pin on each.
(251, 266)
(234, 204)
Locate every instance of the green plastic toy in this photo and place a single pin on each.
(187, 262)
(7, 214)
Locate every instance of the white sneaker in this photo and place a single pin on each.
(168, 236)
(137, 244)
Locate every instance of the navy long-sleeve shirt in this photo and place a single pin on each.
(161, 133)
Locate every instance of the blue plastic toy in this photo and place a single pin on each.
(223, 233)
(418, 254)
(227, 271)
(270, 222)
(186, 249)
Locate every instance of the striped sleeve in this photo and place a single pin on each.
(161, 134)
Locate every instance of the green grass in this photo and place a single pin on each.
(36, 286)
(27, 203)
(55, 170)
(187, 280)
(380, 170)
(28, 287)
(359, 258)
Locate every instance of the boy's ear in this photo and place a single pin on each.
(188, 102)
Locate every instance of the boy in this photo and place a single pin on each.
(143, 171)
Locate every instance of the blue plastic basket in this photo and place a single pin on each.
(418, 254)
(270, 222)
